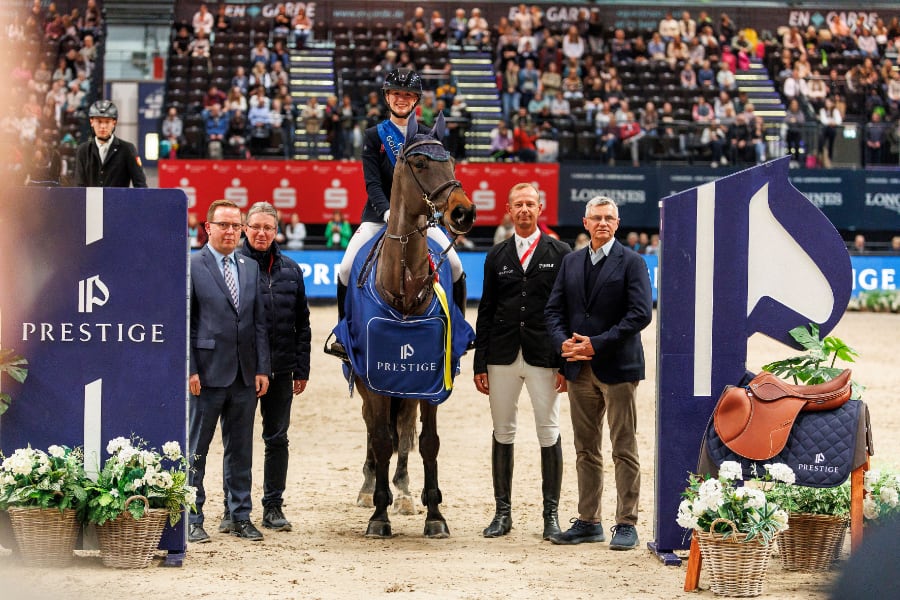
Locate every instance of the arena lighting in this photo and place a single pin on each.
(151, 146)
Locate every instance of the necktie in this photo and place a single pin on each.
(104, 148)
(229, 280)
(525, 251)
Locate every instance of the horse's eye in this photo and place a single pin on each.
(420, 164)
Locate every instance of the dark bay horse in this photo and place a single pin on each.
(424, 193)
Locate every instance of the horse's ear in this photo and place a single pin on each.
(412, 127)
(437, 132)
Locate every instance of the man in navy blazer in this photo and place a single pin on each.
(600, 302)
(229, 365)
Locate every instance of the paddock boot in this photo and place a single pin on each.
(502, 471)
(341, 298)
(459, 293)
(336, 348)
(551, 482)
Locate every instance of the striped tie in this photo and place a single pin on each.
(229, 280)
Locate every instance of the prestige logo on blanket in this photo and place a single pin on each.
(394, 365)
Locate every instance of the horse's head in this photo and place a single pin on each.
(431, 167)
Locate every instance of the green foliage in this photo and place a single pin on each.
(52, 479)
(876, 301)
(14, 365)
(816, 501)
(818, 364)
(135, 470)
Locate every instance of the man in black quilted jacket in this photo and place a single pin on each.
(284, 299)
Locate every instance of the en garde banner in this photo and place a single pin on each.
(640, 16)
(314, 190)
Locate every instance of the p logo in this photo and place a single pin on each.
(91, 292)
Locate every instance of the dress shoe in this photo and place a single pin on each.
(225, 523)
(273, 518)
(197, 535)
(246, 530)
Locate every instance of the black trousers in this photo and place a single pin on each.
(275, 408)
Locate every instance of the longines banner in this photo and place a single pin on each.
(93, 293)
(635, 190)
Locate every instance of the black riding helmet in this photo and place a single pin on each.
(403, 80)
(103, 108)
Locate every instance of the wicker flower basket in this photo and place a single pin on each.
(126, 543)
(737, 567)
(812, 542)
(46, 536)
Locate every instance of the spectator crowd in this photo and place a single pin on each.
(54, 60)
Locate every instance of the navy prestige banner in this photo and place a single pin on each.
(93, 293)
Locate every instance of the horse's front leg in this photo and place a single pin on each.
(429, 444)
(364, 498)
(404, 503)
(377, 414)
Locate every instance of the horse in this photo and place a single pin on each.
(424, 193)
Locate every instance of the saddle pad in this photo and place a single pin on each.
(397, 356)
(403, 359)
(820, 449)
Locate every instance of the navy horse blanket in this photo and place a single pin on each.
(411, 357)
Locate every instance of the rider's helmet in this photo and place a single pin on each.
(103, 108)
(405, 80)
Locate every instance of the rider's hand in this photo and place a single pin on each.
(387, 215)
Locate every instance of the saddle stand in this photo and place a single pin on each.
(755, 422)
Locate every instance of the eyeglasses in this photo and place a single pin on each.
(266, 228)
(226, 226)
(601, 218)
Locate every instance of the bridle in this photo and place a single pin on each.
(432, 219)
(450, 185)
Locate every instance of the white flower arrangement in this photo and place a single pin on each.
(749, 507)
(51, 479)
(135, 470)
(882, 499)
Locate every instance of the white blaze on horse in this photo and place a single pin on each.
(402, 333)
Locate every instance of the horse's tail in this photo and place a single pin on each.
(403, 424)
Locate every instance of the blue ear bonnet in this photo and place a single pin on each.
(427, 146)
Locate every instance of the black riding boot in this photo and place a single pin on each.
(502, 470)
(459, 293)
(551, 477)
(341, 298)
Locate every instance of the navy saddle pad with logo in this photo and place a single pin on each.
(821, 450)
(397, 356)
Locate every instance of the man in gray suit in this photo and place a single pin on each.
(229, 365)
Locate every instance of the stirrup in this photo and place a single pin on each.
(336, 349)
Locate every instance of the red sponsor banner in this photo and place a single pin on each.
(488, 185)
(314, 190)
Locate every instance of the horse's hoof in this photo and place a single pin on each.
(365, 500)
(436, 530)
(405, 505)
(378, 529)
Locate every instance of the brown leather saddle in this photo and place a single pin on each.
(755, 421)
